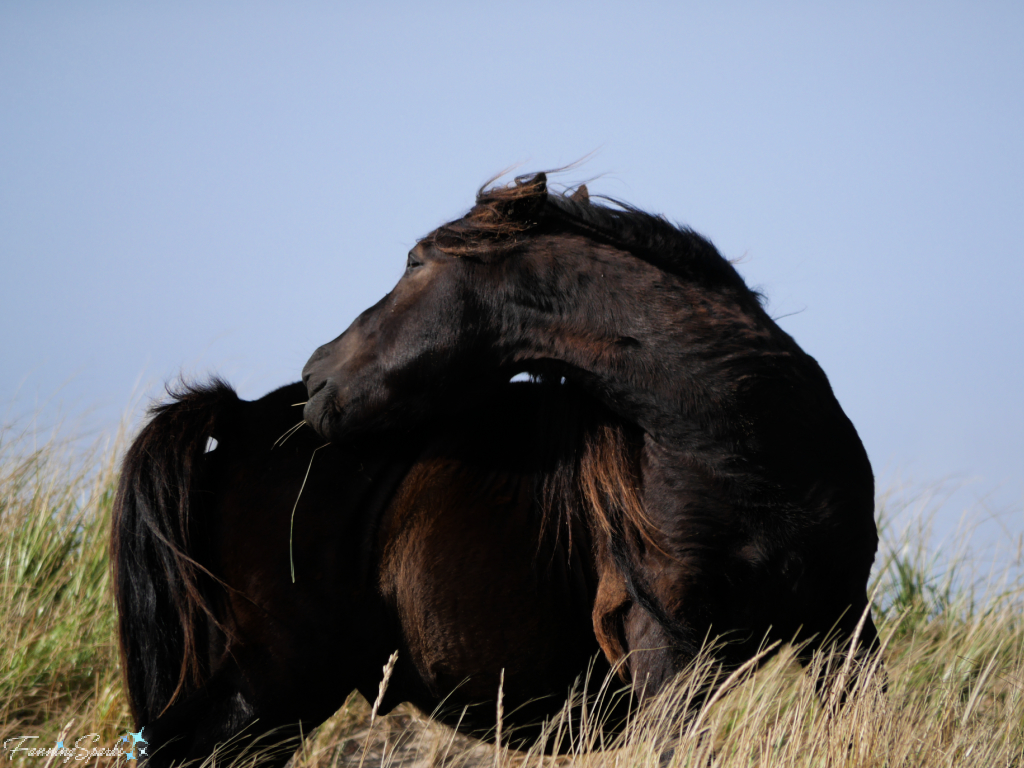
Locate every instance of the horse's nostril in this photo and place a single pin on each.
(321, 408)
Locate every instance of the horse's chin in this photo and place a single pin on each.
(334, 415)
(323, 411)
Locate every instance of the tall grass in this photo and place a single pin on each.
(954, 659)
(58, 656)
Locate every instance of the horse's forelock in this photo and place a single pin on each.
(501, 213)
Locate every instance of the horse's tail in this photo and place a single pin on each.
(162, 591)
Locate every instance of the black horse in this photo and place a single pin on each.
(756, 495)
(464, 545)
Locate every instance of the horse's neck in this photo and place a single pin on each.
(699, 369)
(374, 487)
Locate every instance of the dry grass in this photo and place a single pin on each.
(954, 660)
(955, 698)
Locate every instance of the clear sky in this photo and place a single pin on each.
(222, 187)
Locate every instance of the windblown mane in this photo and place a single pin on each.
(503, 213)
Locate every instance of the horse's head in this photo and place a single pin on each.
(526, 281)
(391, 350)
(415, 342)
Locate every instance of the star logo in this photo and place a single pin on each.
(136, 739)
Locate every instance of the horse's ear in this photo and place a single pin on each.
(531, 193)
(581, 195)
(538, 181)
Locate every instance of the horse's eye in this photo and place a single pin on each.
(412, 262)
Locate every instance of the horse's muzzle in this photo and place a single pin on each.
(322, 405)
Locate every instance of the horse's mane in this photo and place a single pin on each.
(505, 213)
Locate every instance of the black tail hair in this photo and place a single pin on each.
(165, 615)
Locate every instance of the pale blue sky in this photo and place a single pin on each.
(222, 187)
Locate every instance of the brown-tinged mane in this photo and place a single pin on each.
(599, 485)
